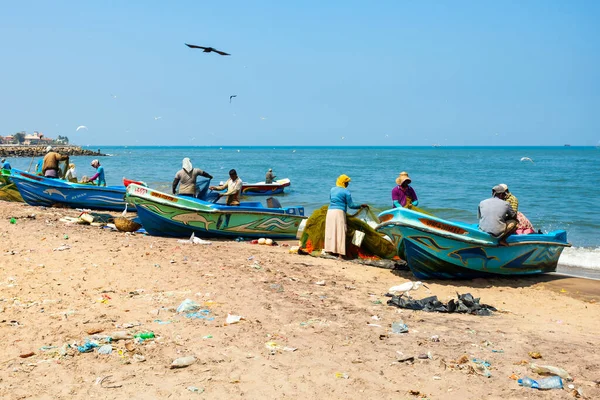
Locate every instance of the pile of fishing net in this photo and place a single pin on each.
(8, 190)
(373, 246)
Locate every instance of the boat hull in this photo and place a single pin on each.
(40, 191)
(165, 215)
(264, 189)
(438, 249)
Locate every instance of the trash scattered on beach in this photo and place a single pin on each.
(435, 338)
(399, 327)
(106, 349)
(194, 389)
(550, 370)
(62, 248)
(183, 362)
(320, 283)
(27, 355)
(535, 355)
(233, 319)
(553, 382)
(342, 375)
(465, 303)
(188, 305)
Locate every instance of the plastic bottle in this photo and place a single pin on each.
(552, 382)
(183, 362)
(145, 335)
(13, 221)
(120, 335)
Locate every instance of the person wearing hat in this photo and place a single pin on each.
(5, 164)
(71, 174)
(510, 198)
(269, 178)
(340, 200)
(99, 173)
(496, 216)
(403, 195)
(51, 161)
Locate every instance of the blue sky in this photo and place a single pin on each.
(305, 73)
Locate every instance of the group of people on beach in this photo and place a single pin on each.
(499, 215)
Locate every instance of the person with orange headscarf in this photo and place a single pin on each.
(340, 200)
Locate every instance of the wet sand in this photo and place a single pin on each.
(110, 281)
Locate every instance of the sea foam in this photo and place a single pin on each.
(584, 257)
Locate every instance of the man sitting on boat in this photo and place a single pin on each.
(270, 177)
(496, 216)
(186, 179)
(99, 173)
(403, 195)
(525, 227)
(71, 174)
(51, 161)
(234, 188)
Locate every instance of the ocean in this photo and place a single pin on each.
(558, 189)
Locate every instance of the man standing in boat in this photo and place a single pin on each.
(496, 216)
(234, 188)
(186, 179)
(51, 161)
(270, 177)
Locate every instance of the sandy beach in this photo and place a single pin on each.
(62, 283)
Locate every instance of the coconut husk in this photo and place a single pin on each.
(126, 225)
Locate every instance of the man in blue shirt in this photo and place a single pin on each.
(5, 164)
(99, 173)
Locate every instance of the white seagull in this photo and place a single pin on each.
(526, 159)
(157, 118)
(80, 127)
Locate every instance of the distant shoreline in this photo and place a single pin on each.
(16, 151)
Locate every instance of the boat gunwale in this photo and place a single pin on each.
(470, 239)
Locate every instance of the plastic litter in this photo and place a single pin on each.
(13, 221)
(201, 314)
(535, 355)
(106, 349)
(399, 327)
(183, 362)
(342, 375)
(550, 370)
(553, 382)
(87, 347)
(120, 335)
(465, 303)
(320, 283)
(233, 319)
(62, 248)
(194, 389)
(435, 338)
(481, 369)
(144, 335)
(482, 362)
(187, 305)
(407, 287)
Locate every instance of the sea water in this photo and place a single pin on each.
(558, 189)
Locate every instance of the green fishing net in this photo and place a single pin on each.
(374, 245)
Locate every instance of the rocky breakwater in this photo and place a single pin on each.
(35, 151)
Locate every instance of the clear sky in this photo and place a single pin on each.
(304, 72)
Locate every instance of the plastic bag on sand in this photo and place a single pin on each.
(187, 305)
(233, 319)
(550, 370)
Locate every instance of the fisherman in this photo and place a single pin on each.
(340, 200)
(403, 195)
(186, 178)
(525, 227)
(510, 198)
(234, 189)
(496, 216)
(99, 173)
(5, 164)
(269, 178)
(71, 174)
(51, 161)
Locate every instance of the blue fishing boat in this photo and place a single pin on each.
(265, 189)
(163, 214)
(438, 249)
(40, 191)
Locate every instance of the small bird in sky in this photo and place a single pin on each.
(526, 159)
(231, 97)
(80, 127)
(343, 137)
(114, 96)
(157, 118)
(207, 49)
(263, 118)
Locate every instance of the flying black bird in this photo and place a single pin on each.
(232, 96)
(207, 49)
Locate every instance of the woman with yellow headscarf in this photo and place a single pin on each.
(340, 200)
